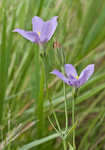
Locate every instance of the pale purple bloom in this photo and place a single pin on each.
(42, 31)
(72, 77)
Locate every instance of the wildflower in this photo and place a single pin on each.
(42, 31)
(72, 77)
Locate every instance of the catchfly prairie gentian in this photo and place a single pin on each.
(72, 77)
(42, 31)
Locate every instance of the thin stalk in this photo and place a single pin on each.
(52, 124)
(44, 58)
(65, 102)
(66, 113)
(64, 86)
(56, 119)
(73, 120)
(64, 144)
(75, 91)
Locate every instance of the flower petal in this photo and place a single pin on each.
(60, 75)
(48, 29)
(37, 23)
(33, 37)
(73, 81)
(70, 70)
(86, 74)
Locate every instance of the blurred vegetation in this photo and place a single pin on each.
(24, 107)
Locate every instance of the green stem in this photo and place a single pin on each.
(73, 121)
(66, 114)
(56, 119)
(52, 125)
(65, 101)
(63, 62)
(64, 145)
(47, 91)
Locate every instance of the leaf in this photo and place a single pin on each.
(70, 147)
(71, 129)
(40, 141)
(3, 65)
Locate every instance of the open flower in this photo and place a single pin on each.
(42, 31)
(72, 77)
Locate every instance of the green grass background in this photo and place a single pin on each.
(24, 105)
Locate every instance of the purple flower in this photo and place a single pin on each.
(42, 31)
(72, 77)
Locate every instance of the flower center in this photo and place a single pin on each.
(38, 33)
(77, 77)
